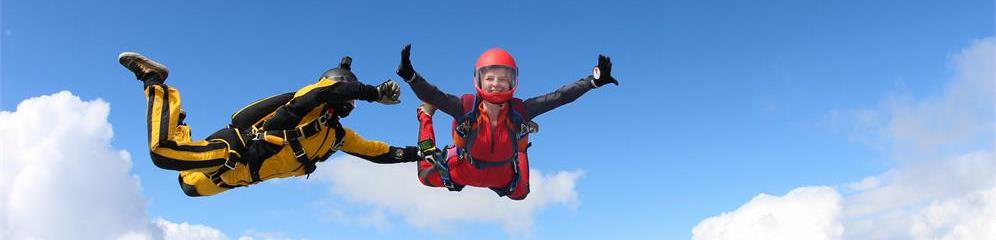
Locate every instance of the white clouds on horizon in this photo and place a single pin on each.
(804, 213)
(188, 231)
(59, 168)
(944, 186)
(395, 189)
(60, 178)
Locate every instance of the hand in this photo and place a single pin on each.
(428, 109)
(405, 69)
(603, 72)
(389, 92)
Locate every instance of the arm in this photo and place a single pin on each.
(566, 94)
(449, 104)
(311, 96)
(425, 91)
(376, 151)
(601, 75)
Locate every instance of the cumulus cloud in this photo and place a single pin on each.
(803, 213)
(971, 216)
(944, 184)
(60, 178)
(188, 231)
(396, 189)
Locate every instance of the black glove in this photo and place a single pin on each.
(602, 73)
(389, 92)
(405, 69)
(411, 154)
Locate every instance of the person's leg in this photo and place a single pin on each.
(428, 173)
(196, 184)
(169, 139)
(522, 188)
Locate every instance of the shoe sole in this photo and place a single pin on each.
(133, 60)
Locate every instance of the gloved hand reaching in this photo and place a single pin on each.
(389, 92)
(405, 69)
(603, 72)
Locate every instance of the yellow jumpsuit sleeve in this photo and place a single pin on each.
(355, 144)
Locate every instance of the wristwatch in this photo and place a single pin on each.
(595, 73)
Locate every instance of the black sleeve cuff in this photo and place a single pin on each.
(411, 154)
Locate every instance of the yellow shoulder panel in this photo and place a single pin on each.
(324, 82)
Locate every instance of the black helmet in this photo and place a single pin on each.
(342, 74)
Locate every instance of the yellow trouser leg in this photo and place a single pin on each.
(196, 184)
(169, 142)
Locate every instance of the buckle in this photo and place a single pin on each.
(324, 118)
(527, 128)
(232, 165)
(463, 129)
(300, 154)
(462, 154)
(259, 136)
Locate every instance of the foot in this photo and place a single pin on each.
(146, 70)
(426, 108)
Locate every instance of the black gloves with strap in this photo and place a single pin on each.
(602, 73)
(389, 92)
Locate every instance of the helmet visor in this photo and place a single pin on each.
(497, 73)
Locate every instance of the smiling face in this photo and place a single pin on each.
(496, 79)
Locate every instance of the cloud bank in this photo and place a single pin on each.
(944, 186)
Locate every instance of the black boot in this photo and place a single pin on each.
(148, 71)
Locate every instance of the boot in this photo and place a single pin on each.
(148, 71)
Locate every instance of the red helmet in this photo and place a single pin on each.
(495, 57)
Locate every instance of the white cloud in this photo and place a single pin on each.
(252, 235)
(396, 189)
(971, 216)
(803, 213)
(905, 195)
(187, 231)
(60, 178)
(944, 186)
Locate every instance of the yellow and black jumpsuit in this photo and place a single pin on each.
(276, 137)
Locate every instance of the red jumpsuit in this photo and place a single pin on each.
(492, 144)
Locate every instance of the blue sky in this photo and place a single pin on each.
(718, 101)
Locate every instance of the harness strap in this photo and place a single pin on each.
(340, 135)
(293, 139)
(216, 178)
(439, 160)
(308, 130)
(510, 188)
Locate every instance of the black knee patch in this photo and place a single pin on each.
(188, 189)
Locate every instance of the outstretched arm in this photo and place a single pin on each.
(376, 151)
(566, 94)
(330, 91)
(601, 75)
(425, 91)
(311, 96)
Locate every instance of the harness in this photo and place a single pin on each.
(465, 129)
(294, 136)
(291, 137)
